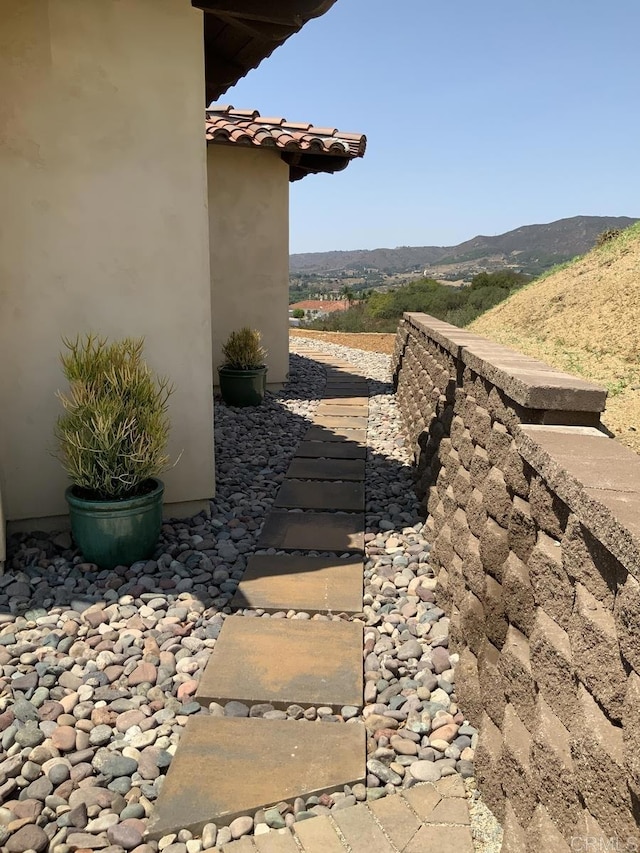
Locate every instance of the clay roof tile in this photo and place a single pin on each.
(224, 124)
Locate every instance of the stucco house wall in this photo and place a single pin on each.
(249, 246)
(103, 223)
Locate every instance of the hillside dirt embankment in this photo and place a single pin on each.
(584, 319)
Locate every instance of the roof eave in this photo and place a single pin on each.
(239, 34)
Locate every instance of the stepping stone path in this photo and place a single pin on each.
(258, 751)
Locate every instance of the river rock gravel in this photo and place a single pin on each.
(99, 669)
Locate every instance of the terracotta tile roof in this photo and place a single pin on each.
(321, 305)
(306, 148)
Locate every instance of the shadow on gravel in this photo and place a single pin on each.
(201, 558)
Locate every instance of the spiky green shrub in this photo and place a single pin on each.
(242, 350)
(607, 236)
(113, 434)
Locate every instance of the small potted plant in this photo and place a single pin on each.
(243, 374)
(112, 442)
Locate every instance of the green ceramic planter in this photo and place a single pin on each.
(116, 532)
(242, 387)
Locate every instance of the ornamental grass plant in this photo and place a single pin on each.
(113, 434)
(243, 351)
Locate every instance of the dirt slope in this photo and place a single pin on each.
(585, 319)
(369, 341)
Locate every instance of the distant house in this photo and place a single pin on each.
(315, 308)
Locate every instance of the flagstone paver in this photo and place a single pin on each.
(285, 662)
(330, 450)
(321, 495)
(346, 391)
(336, 411)
(275, 582)
(399, 821)
(332, 421)
(326, 469)
(335, 434)
(318, 834)
(241, 765)
(361, 832)
(313, 531)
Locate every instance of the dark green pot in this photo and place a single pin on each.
(242, 387)
(116, 532)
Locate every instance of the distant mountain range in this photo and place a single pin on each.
(531, 249)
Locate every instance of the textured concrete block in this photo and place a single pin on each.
(631, 731)
(517, 473)
(552, 588)
(480, 426)
(488, 767)
(443, 552)
(597, 750)
(491, 682)
(468, 688)
(514, 838)
(627, 620)
(449, 503)
(444, 594)
(552, 666)
(495, 619)
(515, 667)
(480, 466)
(497, 499)
(472, 619)
(544, 835)
(517, 777)
(596, 652)
(588, 562)
(553, 768)
(522, 529)
(457, 586)
(462, 486)
(459, 532)
(494, 548)
(519, 602)
(548, 511)
(476, 513)
(472, 567)
(498, 444)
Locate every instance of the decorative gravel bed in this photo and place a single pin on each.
(99, 669)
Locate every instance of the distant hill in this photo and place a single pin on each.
(531, 249)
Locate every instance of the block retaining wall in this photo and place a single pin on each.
(534, 519)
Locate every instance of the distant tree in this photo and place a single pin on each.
(348, 294)
(298, 313)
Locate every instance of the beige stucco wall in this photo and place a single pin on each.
(249, 240)
(103, 221)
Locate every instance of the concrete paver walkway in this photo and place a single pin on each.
(226, 767)
(429, 818)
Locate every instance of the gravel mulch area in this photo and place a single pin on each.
(99, 669)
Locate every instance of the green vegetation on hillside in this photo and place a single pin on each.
(380, 312)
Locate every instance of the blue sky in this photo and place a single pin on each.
(480, 116)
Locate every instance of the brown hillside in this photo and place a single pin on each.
(585, 319)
